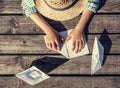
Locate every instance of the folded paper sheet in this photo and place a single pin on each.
(97, 56)
(66, 47)
(32, 76)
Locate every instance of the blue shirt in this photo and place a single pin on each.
(29, 8)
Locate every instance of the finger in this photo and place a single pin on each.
(68, 37)
(57, 45)
(77, 46)
(73, 45)
(82, 44)
(49, 45)
(54, 47)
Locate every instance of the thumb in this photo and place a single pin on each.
(68, 38)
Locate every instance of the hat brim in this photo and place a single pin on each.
(63, 15)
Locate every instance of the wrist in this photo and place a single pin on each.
(49, 31)
(79, 29)
(80, 26)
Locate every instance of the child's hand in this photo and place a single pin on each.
(77, 40)
(53, 39)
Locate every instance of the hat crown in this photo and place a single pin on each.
(59, 4)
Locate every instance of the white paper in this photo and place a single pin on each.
(66, 47)
(32, 75)
(97, 56)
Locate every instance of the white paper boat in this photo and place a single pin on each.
(32, 75)
(97, 56)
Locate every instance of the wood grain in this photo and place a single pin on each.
(57, 64)
(64, 82)
(34, 44)
(14, 7)
(9, 82)
(22, 46)
(22, 25)
(110, 6)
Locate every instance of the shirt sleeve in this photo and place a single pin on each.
(28, 7)
(93, 5)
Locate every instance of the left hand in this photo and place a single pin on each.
(77, 40)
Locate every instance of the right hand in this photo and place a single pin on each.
(53, 40)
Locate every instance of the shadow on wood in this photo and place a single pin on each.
(57, 25)
(47, 64)
(106, 42)
(102, 3)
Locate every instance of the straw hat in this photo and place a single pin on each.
(60, 10)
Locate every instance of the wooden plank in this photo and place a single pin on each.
(57, 64)
(13, 6)
(82, 65)
(10, 6)
(9, 82)
(98, 24)
(22, 25)
(64, 82)
(109, 7)
(17, 25)
(34, 44)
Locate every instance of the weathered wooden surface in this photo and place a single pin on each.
(34, 44)
(22, 25)
(110, 6)
(74, 73)
(9, 82)
(66, 82)
(13, 6)
(57, 64)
